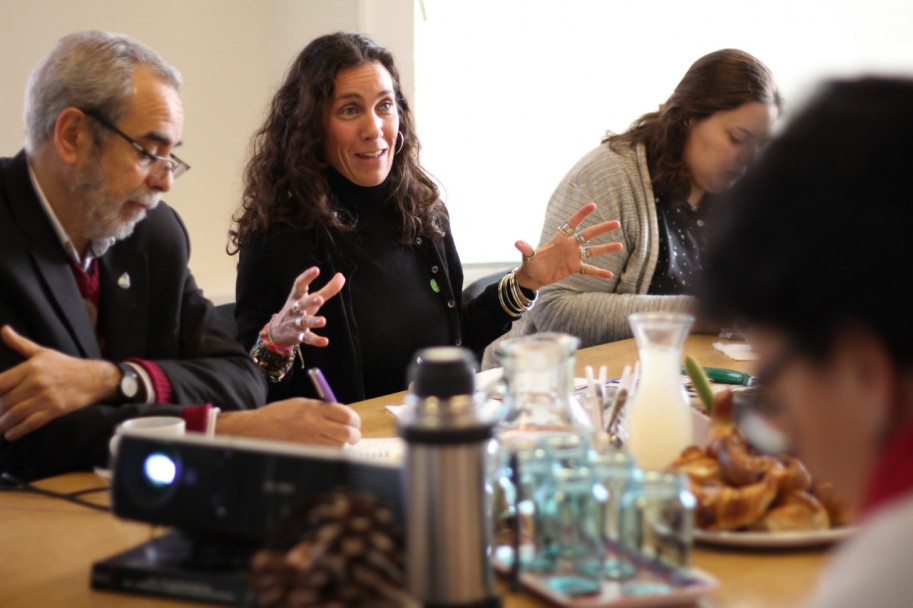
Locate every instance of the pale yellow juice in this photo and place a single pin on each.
(659, 415)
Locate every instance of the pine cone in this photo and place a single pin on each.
(346, 551)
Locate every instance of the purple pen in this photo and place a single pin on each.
(321, 384)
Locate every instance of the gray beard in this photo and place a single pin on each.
(98, 209)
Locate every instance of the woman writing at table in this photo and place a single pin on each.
(658, 178)
(335, 189)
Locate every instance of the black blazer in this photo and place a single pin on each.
(161, 316)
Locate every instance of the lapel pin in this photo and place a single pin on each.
(124, 281)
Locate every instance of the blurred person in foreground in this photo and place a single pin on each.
(335, 189)
(100, 317)
(832, 330)
(658, 179)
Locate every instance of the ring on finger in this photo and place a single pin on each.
(580, 238)
(585, 253)
(527, 258)
(296, 307)
(566, 229)
(299, 322)
(582, 269)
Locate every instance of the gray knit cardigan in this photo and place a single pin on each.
(596, 310)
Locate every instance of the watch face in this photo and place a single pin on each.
(128, 385)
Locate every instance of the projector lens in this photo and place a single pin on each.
(160, 469)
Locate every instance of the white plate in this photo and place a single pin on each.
(772, 540)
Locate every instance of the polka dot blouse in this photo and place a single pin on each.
(682, 242)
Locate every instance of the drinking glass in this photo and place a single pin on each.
(657, 521)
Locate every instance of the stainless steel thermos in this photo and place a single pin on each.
(447, 527)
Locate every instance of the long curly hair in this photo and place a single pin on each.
(285, 183)
(720, 81)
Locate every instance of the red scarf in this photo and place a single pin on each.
(893, 475)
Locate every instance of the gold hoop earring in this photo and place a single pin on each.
(402, 145)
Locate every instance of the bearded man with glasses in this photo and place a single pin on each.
(100, 317)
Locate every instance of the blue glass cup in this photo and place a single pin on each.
(657, 522)
(521, 472)
(612, 470)
(571, 505)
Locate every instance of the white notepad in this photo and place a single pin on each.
(379, 448)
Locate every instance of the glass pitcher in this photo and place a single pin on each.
(659, 413)
(537, 389)
(537, 408)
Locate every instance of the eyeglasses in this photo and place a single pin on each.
(762, 416)
(159, 164)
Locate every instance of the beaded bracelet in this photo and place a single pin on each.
(274, 359)
(511, 296)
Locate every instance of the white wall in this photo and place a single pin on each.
(511, 93)
(233, 54)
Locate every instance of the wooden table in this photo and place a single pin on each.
(47, 545)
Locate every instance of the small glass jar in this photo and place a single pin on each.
(613, 470)
(520, 474)
(571, 504)
(657, 521)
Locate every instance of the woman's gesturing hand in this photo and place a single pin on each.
(566, 253)
(293, 324)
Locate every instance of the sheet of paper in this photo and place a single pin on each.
(382, 448)
(737, 351)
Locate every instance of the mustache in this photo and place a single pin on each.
(147, 198)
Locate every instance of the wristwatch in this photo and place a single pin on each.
(130, 385)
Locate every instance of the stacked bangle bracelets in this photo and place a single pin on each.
(510, 294)
(274, 359)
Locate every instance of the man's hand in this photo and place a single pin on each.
(48, 384)
(297, 419)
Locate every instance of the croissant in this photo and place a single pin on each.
(792, 476)
(727, 444)
(737, 464)
(700, 468)
(796, 511)
(838, 511)
(738, 488)
(723, 507)
(722, 418)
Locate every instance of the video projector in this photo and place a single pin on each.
(237, 488)
(225, 497)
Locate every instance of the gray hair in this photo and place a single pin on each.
(89, 70)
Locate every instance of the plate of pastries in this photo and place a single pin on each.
(749, 499)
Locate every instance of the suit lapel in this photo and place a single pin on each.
(124, 289)
(51, 263)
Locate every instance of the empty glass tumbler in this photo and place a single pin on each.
(657, 520)
(572, 503)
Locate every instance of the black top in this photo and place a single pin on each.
(269, 263)
(682, 242)
(396, 307)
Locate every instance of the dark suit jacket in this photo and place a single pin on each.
(162, 316)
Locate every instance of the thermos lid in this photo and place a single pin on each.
(442, 372)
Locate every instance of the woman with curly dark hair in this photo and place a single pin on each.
(658, 179)
(335, 189)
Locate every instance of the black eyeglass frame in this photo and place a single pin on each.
(173, 163)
